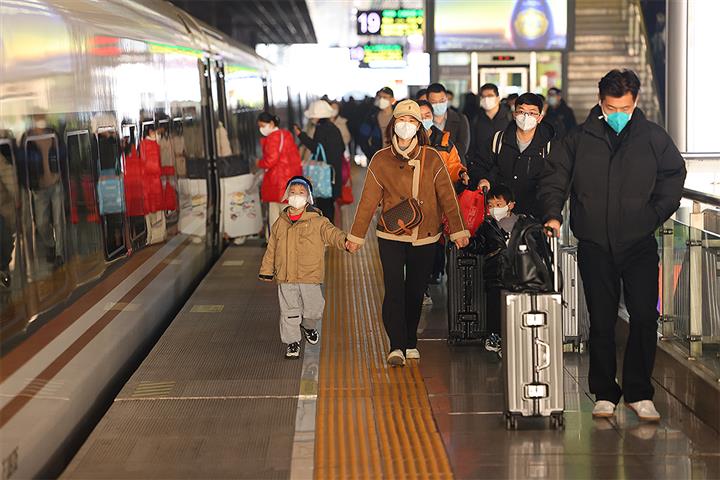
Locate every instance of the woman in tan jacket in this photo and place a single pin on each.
(407, 169)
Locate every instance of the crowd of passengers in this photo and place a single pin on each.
(622, 173)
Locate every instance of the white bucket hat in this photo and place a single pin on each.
(319, 109)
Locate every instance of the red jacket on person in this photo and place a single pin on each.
(281, 162)
(152, 186)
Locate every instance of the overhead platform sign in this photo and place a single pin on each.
(381, 55)
(402, 22)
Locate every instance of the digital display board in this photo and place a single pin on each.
(401, 22)
(501, 25)
(382, 53)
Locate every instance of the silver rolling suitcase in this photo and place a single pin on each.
(575, 316)
(533, 353)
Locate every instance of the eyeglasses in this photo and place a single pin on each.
(527, 114)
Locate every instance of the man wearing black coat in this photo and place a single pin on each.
(625, 178)
(493, 117)
(559, 114)
(449, 120)
(515, 156)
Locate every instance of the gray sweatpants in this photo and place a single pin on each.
(300, 303)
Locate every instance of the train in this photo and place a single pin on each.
(120, 121)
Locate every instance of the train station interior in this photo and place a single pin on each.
(199, 280)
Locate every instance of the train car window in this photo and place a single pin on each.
(12, 314)
(167, 171)
(191, 168)
(153, 192)
(84, 227)
(43, 178)
(111, 193)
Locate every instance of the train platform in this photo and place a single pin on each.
(216, 398)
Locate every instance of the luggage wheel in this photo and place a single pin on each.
(510, 422)
(557, 421)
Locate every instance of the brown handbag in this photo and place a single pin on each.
(404, 216)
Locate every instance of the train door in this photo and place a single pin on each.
(44, 222)
(514, 79)
(209, 101)
(84, 233)
(13, 314)
(111, 193)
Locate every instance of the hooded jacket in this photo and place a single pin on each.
(621, 189)
(391, 179)
(281, 162)
(520, 171)
(296, 250)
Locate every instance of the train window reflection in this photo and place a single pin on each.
(43, 179)
(13, 317)
(167, 170)
(84, 227)
(192, 170)
(111, 194)
(134, 187)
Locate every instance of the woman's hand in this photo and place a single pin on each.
(351, 247)
(297, 130)
(465, 178)
(462, 242)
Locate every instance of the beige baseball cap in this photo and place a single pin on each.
(408, 107)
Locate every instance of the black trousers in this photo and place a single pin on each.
(405, 273)
(439, 263)
(327, 207)
(602, 273)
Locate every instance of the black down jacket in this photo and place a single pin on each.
(621, 187)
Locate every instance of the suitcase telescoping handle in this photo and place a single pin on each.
(553, 239)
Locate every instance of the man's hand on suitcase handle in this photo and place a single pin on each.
(553, 227)
(462, 242)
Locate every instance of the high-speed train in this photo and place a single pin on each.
(119, 121)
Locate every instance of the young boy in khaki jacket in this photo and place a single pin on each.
(295, 259)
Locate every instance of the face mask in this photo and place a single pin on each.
(488, 103)
(439, 109)
(617, 120)
(382, 103)
(266, 130)
(297, 201)
(499, 213)
(405, 130)
(427, 123)
(40, 123)
(553, 101)
(525, 122)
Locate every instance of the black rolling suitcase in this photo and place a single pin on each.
(465, 296)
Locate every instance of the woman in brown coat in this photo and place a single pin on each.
(407, 169)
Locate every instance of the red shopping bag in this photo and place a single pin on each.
(346, 195)
(472, 209)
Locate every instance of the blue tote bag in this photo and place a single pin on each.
(320, 173)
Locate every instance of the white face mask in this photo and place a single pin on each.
(488, 103)
(40, 123)
(499, 213)
(266, 130)
(405, 130)
(526, 122)
(297, 201)
(383, 103)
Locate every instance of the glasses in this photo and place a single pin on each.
(527, 114)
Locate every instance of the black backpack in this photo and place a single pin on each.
(529, 260)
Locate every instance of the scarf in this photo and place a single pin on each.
(404, 152)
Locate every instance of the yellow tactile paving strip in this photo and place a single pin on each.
(373, 421)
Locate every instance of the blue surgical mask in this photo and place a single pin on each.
(617, 120)
(439, 109)
(427, 123)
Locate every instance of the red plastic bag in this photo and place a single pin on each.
(472, 208)
(345, 170)
(346, 195)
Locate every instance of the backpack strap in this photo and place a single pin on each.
(497, 142)
(545, 151)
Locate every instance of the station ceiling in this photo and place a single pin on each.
(255, 21)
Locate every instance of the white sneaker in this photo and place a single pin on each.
(412, 354)
(239, 240)
(427, 299)
(603, 409)
(645, 410)
(396, 358)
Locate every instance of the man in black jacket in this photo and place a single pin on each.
(625, 178)
(559, 114)
(515, 156)
(449, 120)
(493, 117)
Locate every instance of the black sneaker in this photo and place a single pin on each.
(311, 335)
(293, 350)
(494, 344)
